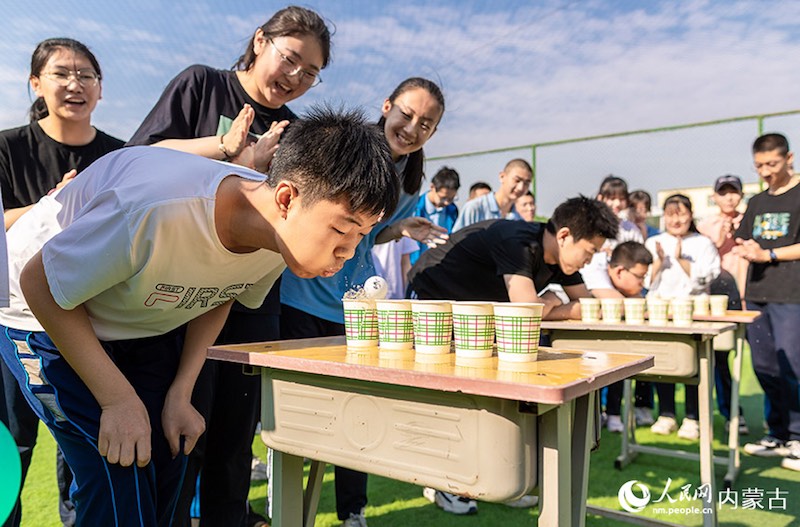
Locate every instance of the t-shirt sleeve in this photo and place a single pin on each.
(89, 256)
(595, 273)
(745, 230)
(175, 111)
(511, 255)
(407, 245)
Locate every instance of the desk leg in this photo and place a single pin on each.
(706, 410)
(287, 472)
(555, 489)
(582, 440)
(733, 434)
(629, 425)
(313, 489)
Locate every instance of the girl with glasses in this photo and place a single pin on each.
(236, 115)
(58, 143)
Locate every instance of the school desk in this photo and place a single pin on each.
(475, 427)
(682, 354)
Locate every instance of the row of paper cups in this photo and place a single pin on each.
(429, 326)
(659, 309)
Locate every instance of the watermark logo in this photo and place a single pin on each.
(629, 500)
(634, 496)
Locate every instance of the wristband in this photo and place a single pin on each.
(222, 148)
(772, 256)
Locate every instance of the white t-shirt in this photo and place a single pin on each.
(672, 281)
(133, 239)
(595, 273)
(387, 258)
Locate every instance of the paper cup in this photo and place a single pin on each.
(517, 326)
(395, 327)
(701, 305)
(433, 326)
(634, 310)
(360, 323)
(590, 310)
(682, 311)
(612, 310)
(657, 309)
(473, 329)
(719, 305)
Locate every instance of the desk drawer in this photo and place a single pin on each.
(477, 446)
(674, 356)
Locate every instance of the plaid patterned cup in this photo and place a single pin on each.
(682, 311)
(395, 328)
(433, 326)
(634, 310)
(657, 311)
(360, 323)
(473, 329)
(719, 305)
(612, 310)
(518, 326)
(590, 310)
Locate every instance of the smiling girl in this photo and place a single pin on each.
(237, 115)
(684, 263)
(59, 143)
(313, 308)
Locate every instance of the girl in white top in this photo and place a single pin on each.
(684, 263)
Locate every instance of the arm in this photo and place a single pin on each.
(124, 434)
(419, 229)
(751, 251)
(605, 293)
(10, 216)
(179, 417)
(522, 289)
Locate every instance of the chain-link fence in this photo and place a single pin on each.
(676, 157)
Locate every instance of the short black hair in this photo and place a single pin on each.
(447, 178)
(770, 142)
(585, 218)
(613, 186)
(337, 155)
(630, 254)
(480, 185)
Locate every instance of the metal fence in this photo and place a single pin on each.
(689, 155)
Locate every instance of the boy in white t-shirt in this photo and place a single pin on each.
(130, 272)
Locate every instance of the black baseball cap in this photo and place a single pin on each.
(728, 179)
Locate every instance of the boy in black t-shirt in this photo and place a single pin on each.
(507, 260)
(769, 238)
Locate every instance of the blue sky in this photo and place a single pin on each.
(513, 72)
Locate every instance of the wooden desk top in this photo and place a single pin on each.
(732, 315)
(554, 378)
(701, 328)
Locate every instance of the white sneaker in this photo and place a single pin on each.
(690, 429)
(355, 520)
(664, 425)
(644, 416)
(743, 428)
(258, 470)
(525, 502)
(450, 502)
(792, 461)
(614, 424)
(767, 446)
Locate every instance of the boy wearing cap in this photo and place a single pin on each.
(769, 238)
(720, 228)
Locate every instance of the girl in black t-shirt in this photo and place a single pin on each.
(59, 143)
(236, 115)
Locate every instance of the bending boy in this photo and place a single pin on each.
(130, 271)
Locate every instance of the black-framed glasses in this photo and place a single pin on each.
(62, 77)
(638, 277)
(291, 68)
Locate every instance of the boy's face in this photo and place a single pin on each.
(442, 197)
(574, 254)
(629, 282)
(317, 239)
(640, 212)
(515, 182)
(526, 207)
(773, 168)
(727, 199)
